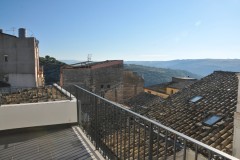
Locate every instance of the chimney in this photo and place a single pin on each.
(236, 134)
(22, 33)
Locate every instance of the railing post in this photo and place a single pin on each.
(184, 149)
(78, 109)
(96, 122)
(70, 93)
(0, 99)
(150, 141)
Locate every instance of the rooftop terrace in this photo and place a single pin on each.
(116, 132)
(52, 142)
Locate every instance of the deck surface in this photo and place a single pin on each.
(45, 143)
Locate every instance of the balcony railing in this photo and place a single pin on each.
(119, 133)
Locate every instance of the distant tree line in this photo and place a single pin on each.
(51, 68)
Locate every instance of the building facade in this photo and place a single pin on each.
(164, 90)
(19, 60)
(106, 78)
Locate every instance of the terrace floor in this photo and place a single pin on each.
(56, 142)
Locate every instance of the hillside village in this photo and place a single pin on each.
(122, 117)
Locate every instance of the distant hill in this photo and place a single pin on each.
(51, 68)
(69, 61)
(153, 75)
(201, 67)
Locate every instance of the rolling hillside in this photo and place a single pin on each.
(153, 75)
(201, 67)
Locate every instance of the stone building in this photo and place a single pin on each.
(19, 60)
(165, 89)
(106, 78)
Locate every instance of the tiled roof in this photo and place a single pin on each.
(142, 101)
(181, 85)
(159, 87)
(219, 97)
(91, 64)
(177, 85)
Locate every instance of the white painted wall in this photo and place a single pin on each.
(236, 134)
(37, 114)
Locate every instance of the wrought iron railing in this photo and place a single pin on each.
(119, 133)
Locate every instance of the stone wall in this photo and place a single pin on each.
(106, 78)
(133, 84)
(111, 82)
(115, 94)
(32, 95)
(80, 76)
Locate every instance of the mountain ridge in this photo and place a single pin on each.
(201, 67)
(153, 75)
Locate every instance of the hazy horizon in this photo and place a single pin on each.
(155, 60)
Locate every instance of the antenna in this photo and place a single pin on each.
(89, 57)
(32, 34)
(13, 30)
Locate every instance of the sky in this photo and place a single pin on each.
(149, 30)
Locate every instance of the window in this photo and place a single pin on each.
(5, 58)
(212, 120)
(108, 86)
(102, 86)
(195, 99)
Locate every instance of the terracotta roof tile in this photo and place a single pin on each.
(219, 97)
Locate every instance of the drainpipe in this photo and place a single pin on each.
(236, 134)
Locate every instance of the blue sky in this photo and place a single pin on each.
(128, 29)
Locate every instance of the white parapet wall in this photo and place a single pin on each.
(37, 114)
(236, 133)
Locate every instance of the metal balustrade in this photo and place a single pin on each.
(119, 133)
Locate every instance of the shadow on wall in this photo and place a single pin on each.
(4, 84)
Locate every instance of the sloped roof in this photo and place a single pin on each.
(219, 97)
(142, 101)
(159, 87)
(91, 64)
(181, 85)
(5, 34)
(177, 85)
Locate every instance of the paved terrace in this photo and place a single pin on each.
(63, 142)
